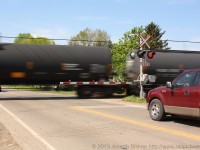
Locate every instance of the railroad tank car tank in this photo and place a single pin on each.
(51, 64)
(165, 65)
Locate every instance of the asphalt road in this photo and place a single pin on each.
(57, 122)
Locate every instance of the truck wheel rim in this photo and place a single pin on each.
(155, 110)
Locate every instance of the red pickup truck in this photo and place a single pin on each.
(180, 97)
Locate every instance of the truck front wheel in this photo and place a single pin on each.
(156, 110)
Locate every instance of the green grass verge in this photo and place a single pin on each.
(134, 99)
(38, 89)
(21, 87)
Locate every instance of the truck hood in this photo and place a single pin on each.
(155, 92)
(158, 89)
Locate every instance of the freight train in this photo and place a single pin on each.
(51, 64)
(165, 66)
(88, 68)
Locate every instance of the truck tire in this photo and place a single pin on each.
(156, 110)
(84, 92)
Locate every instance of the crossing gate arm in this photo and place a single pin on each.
(96, 83)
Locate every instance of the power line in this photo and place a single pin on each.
(181, 41)
(62, 39)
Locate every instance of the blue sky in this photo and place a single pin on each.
(65, 18)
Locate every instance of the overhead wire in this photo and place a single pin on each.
(56, 39)
(65, 39)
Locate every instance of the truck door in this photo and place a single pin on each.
(178, 98)
(195, 96)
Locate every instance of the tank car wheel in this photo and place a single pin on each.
(156, 110)
(129, 91)
(109, 94)
(84, 92)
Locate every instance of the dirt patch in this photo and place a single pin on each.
(6, 140)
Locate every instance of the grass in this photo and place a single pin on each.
(29, 87)
(37, 88)
(134, 99)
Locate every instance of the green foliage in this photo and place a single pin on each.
(131, 41)
(23, 38)
(128, 43)
(134, 99)
(39, 88)
(86, 36)
(27, 38)
(155, 41)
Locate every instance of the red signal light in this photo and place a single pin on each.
(150, 54)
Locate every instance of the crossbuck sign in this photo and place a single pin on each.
(144, 41)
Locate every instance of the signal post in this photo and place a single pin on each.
(143, 41)
(143, 78)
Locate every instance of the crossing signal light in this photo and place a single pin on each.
(141, 53)
(150, 54)
(132, 55)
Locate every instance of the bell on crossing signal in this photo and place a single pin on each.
(150, 54)
(141, 53)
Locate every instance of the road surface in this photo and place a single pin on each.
(58, 122)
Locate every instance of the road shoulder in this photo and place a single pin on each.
(7, 142)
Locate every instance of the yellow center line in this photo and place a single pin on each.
(138, 123)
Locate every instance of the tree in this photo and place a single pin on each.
(128, 43)
(131, 41)
(89, 37)
(155, 41)
(27, 38)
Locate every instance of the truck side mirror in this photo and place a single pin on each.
(169, 85)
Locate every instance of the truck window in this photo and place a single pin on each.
(184, 80)
(196, 79)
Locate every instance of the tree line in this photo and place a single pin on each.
(127, 43)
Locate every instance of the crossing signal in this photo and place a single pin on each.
(141, 53)
(150, 54)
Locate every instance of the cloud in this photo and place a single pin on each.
(55, 33)
(50, 33)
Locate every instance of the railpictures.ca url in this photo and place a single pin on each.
(143, 147)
